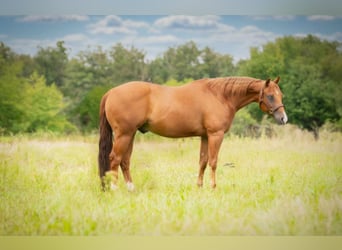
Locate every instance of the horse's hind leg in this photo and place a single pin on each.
(120, 147)
(125, 164)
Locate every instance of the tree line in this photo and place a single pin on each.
(51, 91)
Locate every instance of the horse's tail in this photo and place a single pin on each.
(105, 141)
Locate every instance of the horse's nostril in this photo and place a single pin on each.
(283, 120)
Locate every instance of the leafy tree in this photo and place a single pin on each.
(127, 64)
(89, 69)
(44, 105)
(158, 71)
(11, 95)
(89, 107)
(51, 62)
(182, 62)
(188, 61)
(27, 104)
(215, 65)
(309, 79)
(309, 99)
(28, 65)
(7, 56)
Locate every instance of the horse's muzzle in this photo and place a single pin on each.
(280, 117)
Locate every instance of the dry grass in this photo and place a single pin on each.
(289, 185)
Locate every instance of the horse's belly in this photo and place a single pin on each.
(176, 129)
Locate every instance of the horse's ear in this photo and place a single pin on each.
(267, 82)
(277, 80)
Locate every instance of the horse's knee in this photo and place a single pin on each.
(213, 163)
(203, 160)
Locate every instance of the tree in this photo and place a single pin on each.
(182, 62)
(11, 94)
(309, 79)
(44, 106)
(127, 64)
(310, 100)
(158, 71)
(88, 109)
(51, 63)
(215, 65)
(28, 104)
(187, 61)
(88, 69)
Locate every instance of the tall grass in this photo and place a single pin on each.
(288, 185)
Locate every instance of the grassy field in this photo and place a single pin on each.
(288, 185)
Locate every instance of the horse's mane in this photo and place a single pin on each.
(232, 86)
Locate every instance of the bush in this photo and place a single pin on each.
(243, 124)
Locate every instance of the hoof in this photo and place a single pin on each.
(130, 186)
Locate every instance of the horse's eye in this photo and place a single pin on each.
(270, 98)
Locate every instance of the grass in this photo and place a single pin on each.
(288, 185)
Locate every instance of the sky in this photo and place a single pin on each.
(154, 34)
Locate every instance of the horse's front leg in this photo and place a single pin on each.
(214, 144)
(203, 160)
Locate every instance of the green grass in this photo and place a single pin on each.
(289, 185)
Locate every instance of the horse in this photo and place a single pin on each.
(204, 108)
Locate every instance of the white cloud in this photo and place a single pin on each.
(337, 36)
(162, 39)
(208, 31)
(250, 35)
(29, 46)
(74, 38)
(188, 22)
(235, 41)
(53, 18)
(153, 45)
(114, 24)
(277, 18)
(73, 42)
(249, 29)
(321, 18)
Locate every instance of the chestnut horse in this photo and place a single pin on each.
(203, 108)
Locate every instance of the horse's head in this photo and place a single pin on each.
(270, 101)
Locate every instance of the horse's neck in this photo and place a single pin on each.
(252, 95)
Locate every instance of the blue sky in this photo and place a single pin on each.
(232, 34)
